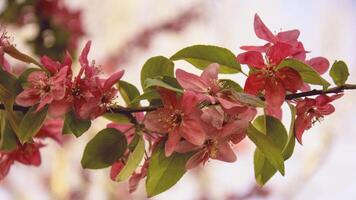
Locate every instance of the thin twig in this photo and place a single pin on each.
(128, 111)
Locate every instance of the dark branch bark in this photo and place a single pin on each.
(129, 111)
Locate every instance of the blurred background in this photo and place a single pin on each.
(125, 34)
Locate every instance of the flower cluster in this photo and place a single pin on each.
(191, 119)
(89, 95)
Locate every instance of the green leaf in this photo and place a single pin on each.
(275, 130)
(31, 123)
(164, 172)
(267, 147)
(10, 83)
(128, 92)
(104, 149)
(74, 125)
(149, 95)
(160, 83)
(133, 161)
(308, 74)
(202, 55)
(8, 139)
(8, 100)
(248, 99)
(230, 84)
(339, 72)
(289, 147)
(156, 67)
(117, 118)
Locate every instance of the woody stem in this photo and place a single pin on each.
(128, 110)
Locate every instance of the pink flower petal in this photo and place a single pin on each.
(196, 159)
(156, 121)
(252, 58)
(83, 58)
(185, 147)
(302, 123)
(275, 96)
(278, 52)
(225, 153)
(261, 49)
(262, 31)
(113, 79)
(28, 97)
(255, 83)
(210, 73)
(189, 102)
(191, 81)
(173, 140)
(192, 131)
(288, 36)
(51, 65)
(291, 79)
(319, 64)
(116, 169)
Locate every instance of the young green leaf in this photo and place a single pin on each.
(289, 147)
(156, 67)
(104, 149)
(160, 83)
(8, 139)
(31, 123)
(117, 118)
(230, 84)
(148, 95)
(308, 74)
(248, 99)
(10, 83)
(74, 125)
(267, 147)
(133, 161)
(201, 56)
(128, 92)
(339, 72)
(164, 172)
(275, 130)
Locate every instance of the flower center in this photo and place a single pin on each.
(212, 148)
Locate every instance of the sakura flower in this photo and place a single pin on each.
(179, 117)
(52, 129)
(310, 111)
(222, 132)
(42, 89)
(207, 87)
(274, 82)
(91, 95)
(289, 38)
(27, 154)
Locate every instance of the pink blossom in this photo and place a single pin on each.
(269, 79)
(52, 129)
(310, 111)
(27, 154)
(42, 89)
(179, 117)
(91, 95)
(222, 132)
(207, 87)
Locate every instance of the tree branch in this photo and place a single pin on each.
(128, 111)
